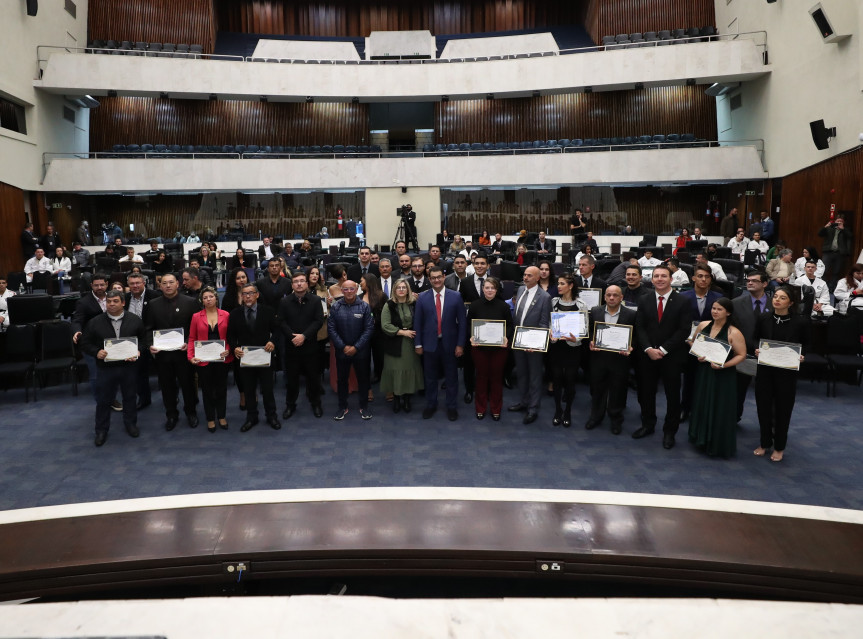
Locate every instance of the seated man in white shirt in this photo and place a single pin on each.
(37, 264)
(678, 275)
(738, 244)
(718, 273)
(4, 294)
(648, 261)
(822, 293)
(130, 256)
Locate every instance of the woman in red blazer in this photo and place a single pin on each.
(211, 324)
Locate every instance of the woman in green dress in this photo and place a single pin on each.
(403, 372)
(713, 421)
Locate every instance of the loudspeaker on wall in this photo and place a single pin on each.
(32, 7)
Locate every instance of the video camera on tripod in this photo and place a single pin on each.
(406, 212)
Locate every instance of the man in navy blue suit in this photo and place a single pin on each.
(440, 323)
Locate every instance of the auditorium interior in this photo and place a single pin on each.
(231, 120)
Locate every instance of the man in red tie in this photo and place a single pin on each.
(662, 326)
(440, 323)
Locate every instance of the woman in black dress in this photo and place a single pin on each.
(776, 388)
(237, 279)
(564, 354)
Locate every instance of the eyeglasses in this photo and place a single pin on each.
(248, 293)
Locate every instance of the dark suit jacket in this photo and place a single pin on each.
(149, 294)
(712, 296)
(744, 318)
(627, 316)
(671, 332)
(241, 334)
(86, 309)
(275, 249)
(272, 294)
(538, 313)
(453, 321)
(162, 313)
(29, 244)
(355, 271)
(549, 246)
(100, 328)
(426, 285)
(595, 282)
(468, 288)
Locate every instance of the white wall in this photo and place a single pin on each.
(20, 34)
(668, 166)
(810, 81)
(381, 219)
(501, 45)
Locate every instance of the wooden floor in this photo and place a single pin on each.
(705, 551)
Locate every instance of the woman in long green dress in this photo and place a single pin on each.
(403, 372)
(713, 421)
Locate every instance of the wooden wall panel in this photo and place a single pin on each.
(579, 115)
(188, 21)
(341, 18)
(12, 220)
(610, 17)
(126, 120)
(806, 199)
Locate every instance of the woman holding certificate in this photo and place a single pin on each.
(713, 421)
(403, 370)
(776, 383)
(564, 354)
(491, 329)
(209, 327)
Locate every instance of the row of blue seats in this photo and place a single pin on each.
(231, 150)
(672, 140)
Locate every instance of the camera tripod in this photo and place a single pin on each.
(406, 234)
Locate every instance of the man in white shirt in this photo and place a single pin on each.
(718, 273)
(130, 256)
(822, 293)
(648, 261)
(678, 275)
(37, 264)
(738, 243)
(5, 294)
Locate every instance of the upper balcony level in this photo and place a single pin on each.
(716, 59)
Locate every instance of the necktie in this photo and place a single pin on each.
(659, 308)
(520, 310)
(758, 307)
(481, 282)
(250, 317)
(387, 288)
(584, 282)
(438, 309)
(365, 270)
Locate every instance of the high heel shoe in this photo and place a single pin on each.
(495, 417)
(480, 415)
(211, 427)
(558, 417)
(223, 424)
(567, 417)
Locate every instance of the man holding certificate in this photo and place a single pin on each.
(661, 327)
(102, 336)
(532, 309)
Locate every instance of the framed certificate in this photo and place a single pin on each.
(693, 330)
(565, 324)
(612, 337)
(779, 354)
(590, 296)
(209, 350)
(488, 332)
(171, 339)
(530, 338)
(255, 356)
(121, 349)
(713, 350)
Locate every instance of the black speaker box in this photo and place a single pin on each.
(823, 23)
(32, 7)
(821, 134)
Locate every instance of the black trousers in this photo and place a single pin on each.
(609, 373)
(743, 382)
(562, 363)
(302, 361)
(213, 380)
(361, 363)
(649, 374)
(775, 393)
(689, 370)
(253, 376)
(110, 378)
(377, 344)
(832, 269)
(176, 376)
(468, 369)
(143, 377)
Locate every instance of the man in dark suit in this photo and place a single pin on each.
(418, 280)
(29, 242)
(532, 308)
(635, 288)
(365, 265)
(700, 300)
(268, 250)
(272, 287)
(748, 307)
(440, 323)
(471, 290)
(111, 324)
(300, 317)
(172, 311)
(662, 325)
(50, 241)
(586, 279)
(254, 324)
(589, 241)
(137, 300)
(543, 245)
(497, 245)
(88, 307)
(609, 371)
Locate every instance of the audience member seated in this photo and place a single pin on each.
(716, 269)
(648, 261)
(130, 256)
(589, 241)
(80, 255)
(738, 244)
(543, 245)
(821, 305)
(484, 239)
(849, 291)
(37, 264)
(267, 250)
(457, 245)
(678, 276)
(781, 269)
(520, 252)
(682, 239)
(810, 252)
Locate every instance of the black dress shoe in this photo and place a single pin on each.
(317, 410)
(567, 419)
(101, 436)
(133, 431)
(480, 415)
(142, 405)
(517, 408)
(529, 418)
(288, 412)
(468, 397)
(428, 413)
(644, 431)
(616, 429)
(193, 421)
(452, 414)
(558, 418)
(406, 403)
(170, 423)
(507, 383)
(668, 441)
(248, 425)
(590, 424)
(495, 417)
(274, 423)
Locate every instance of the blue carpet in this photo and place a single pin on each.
(48, 457)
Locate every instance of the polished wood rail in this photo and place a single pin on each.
(699, 552)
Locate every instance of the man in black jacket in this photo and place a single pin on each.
(365, 265)
(300, 318)
(173, 311)
(471, 290)
(50, 241)
(112, 324)
(88, 307)
(137, 300)
(254, 324)
(29, 242)
(273, 287)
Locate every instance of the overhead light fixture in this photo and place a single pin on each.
(639, 85)
(163, 95)
(355, 100)
(213, 97)
(112, 93)
(690, 82)
(588, 89)
(309, 100)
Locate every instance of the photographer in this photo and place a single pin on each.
(835, 249)
(408, 216)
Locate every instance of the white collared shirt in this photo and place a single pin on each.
(442, 295)
(528, 300)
